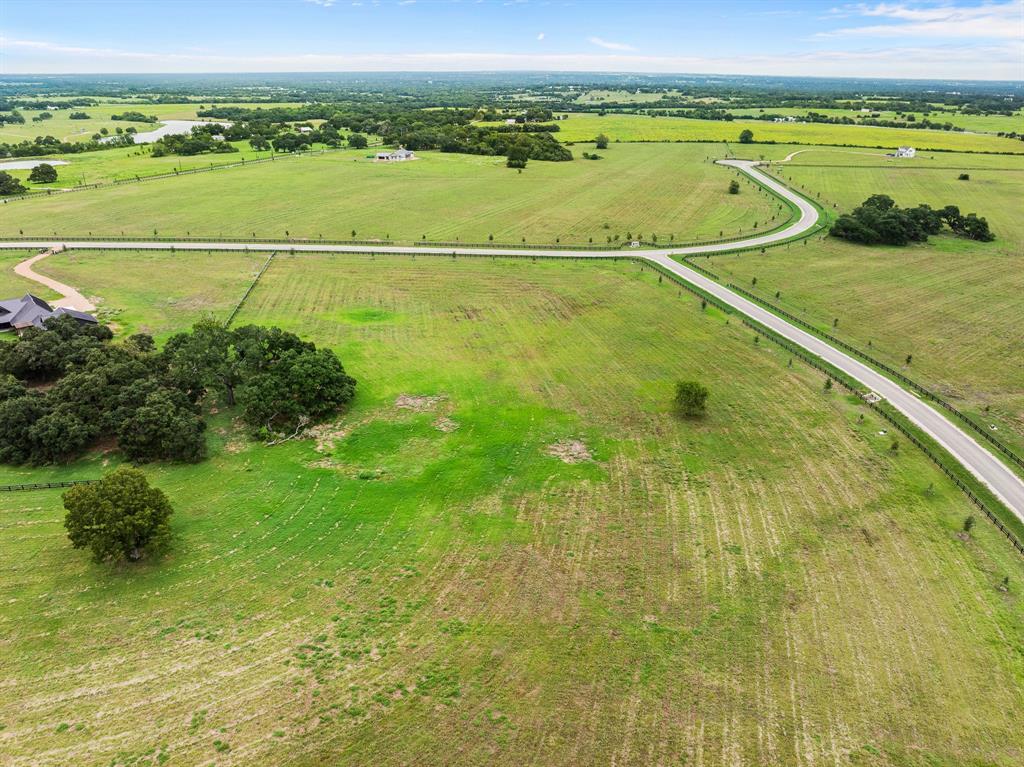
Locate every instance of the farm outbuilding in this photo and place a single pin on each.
(399, 155)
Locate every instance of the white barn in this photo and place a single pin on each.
(906, 151)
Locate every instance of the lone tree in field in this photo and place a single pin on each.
(691, 398)
(601, 142)
(746, 136)
(734, 187)
(357, 141)
(119, 518)
(43, 174)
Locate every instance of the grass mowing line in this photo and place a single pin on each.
(976, 492)
(659, 189)
(1015, 460)
(138, 179)
(825, 218)
(793, 211)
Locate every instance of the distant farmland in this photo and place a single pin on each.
(953, 304)
(649, 190)
(624, 127)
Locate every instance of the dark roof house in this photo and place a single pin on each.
(31, 311)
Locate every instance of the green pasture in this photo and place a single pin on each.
(121, 163)
(954, 305)
(772, 584)
(670, 191)
(995, 193)
(973, 123)
(191, 285)
(584, 127)
(830, 156)
(62, 127)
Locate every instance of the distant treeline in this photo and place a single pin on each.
(448, 130)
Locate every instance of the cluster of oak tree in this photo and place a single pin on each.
(880, 221)
(65, 388)
(41, 174)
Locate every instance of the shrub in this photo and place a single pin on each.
(734, 187)
(964, 177)
(691, 398)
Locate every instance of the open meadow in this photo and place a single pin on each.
(63, 128)
(980, 123)
(191, 285)
(133, 162)
(670, 191)
(622, 127)
(770, 584)
(954, 305)
(989, 123)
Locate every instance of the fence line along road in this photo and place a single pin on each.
(985, 466)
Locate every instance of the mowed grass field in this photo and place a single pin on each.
(122, 286)
(664, 190)
(953, 304)
(978, 123)
(121, 163)
(62, 127)
(622, 127)
(973, 123)
(826, 156)
(769, 585)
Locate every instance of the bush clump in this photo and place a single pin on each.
(148, 399)
(691, 398)
(880, 221)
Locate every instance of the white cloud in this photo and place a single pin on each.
(988, 20)
(610, 45)
(324, 3)
(540, 36)
(997, 61)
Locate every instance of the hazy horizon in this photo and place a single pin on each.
(946, 40)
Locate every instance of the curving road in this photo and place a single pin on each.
(989, 469)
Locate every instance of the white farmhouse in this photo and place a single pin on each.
(399, 155)
(906, 151)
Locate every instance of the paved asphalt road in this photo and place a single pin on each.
(976, 459)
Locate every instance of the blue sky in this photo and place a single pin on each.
(943, 39)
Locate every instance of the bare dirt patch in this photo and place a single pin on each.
(326, 434)
(420, 404)
(570, 451)
(446, 424)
